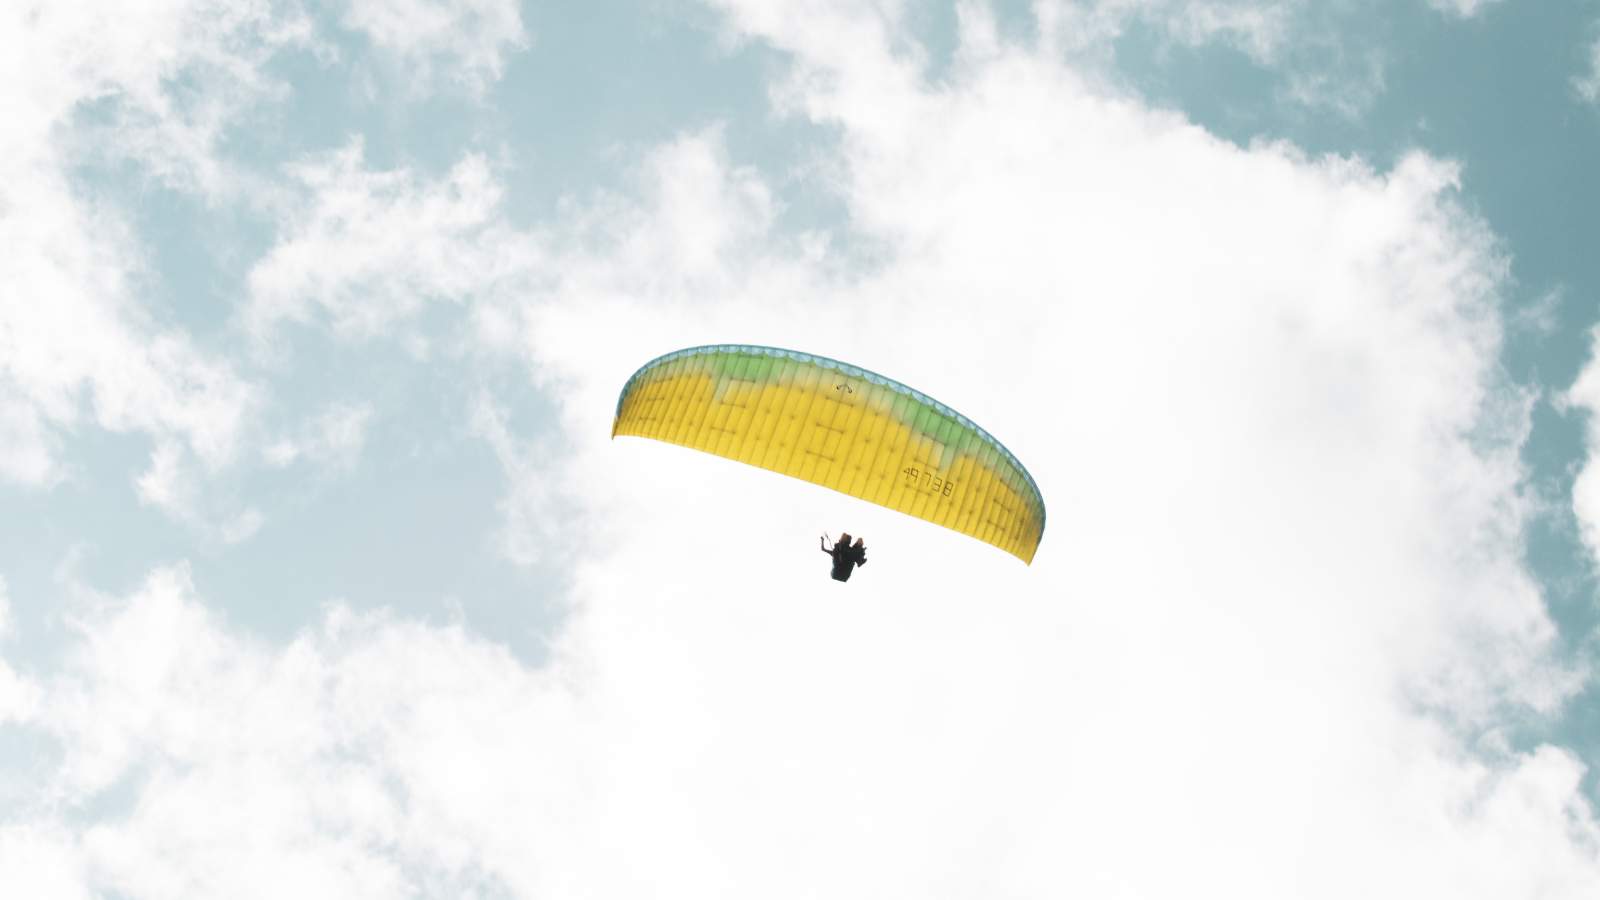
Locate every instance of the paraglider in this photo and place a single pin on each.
(842, 427)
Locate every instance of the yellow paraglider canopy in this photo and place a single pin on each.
(842, 427)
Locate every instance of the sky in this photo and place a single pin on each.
(321, 576)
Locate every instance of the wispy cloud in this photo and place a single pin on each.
(429, 41)
(76, 347)
(163, 86)
(160, 83)
(1584, 397)
(1329, 56)
(369, 250)
(1466, 9)
(1588, 84)
(156, 83)
(539, 510)
(332, 438)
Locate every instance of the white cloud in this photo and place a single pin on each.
(1588, 85)
(242, 526)
(1328, 55)
(465, 41)
(164, 79)
(160, 83)
(538, 512)
(75, 343)
(1466, 9)
(777, 739)
(27, 444)
(370, 249)
(1541, 316)
(1584, 395)
(18, 698)
(339, 760)
(330, 768)
(1281, 592)
(333, 438)
(1258, 28)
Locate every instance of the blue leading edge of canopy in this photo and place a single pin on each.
(854, 372)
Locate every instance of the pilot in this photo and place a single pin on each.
(846, 556)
